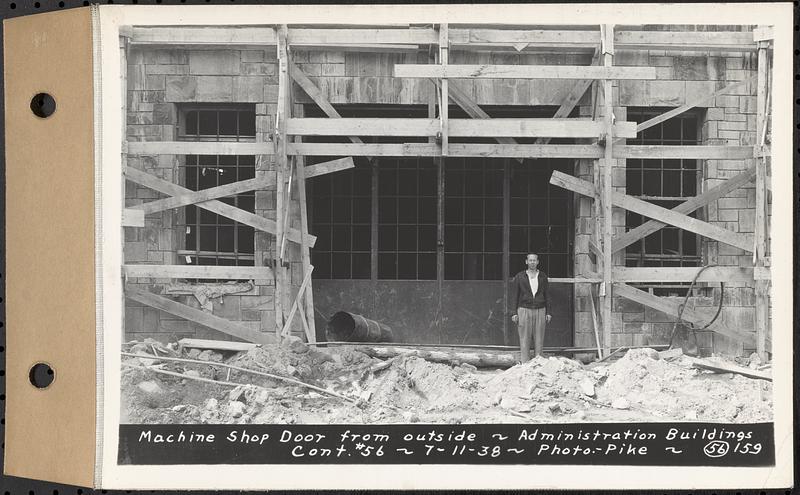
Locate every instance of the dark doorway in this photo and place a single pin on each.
(427, 245)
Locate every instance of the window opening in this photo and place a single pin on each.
(666, 183)
(211, 239)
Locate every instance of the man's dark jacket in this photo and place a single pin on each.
(522, 296)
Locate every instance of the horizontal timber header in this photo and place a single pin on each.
(576, 151)
(567, 128)
(579, 72)
(410, 37)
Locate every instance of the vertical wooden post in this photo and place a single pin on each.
(281, 161)
(444, 48)
(440, 170)
(305, 253)
(607, 185)
(123, 58)
(507, 169)
(760, 251)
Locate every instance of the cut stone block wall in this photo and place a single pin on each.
(159, 80)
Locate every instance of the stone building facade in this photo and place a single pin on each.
(164, 84)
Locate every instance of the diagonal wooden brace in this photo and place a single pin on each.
(623, 240)
(197, 197)
(690, 315)
(218, 207)
(742, 241)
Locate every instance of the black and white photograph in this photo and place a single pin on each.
(447, 223)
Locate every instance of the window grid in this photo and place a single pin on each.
(341, 211)
(540, 217)
(211, 239)
(407, 219)
(473, 219)
(665, 183)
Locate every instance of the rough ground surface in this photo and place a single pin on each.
(637, 387)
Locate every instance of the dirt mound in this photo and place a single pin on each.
(678, 391)
(355, 388)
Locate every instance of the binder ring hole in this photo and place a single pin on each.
(41, 375)
(43, 105)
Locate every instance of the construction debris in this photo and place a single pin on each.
(289, 384)
(456, 358)
(722, 367)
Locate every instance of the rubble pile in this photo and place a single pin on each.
(296, 383)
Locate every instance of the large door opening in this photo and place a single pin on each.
(427, 245)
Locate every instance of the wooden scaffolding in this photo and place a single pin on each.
(603, 135)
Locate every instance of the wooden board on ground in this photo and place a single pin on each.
(477, 359)
(722, 367)
(216, 345)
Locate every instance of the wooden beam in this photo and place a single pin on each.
(719, 366)
(328, 167)
(742, 241)
(684, 108)
(218, 207)
(372, 38)
(701, 152)
(464, 71)
(761, 229)
(355, 36)
(198, 272)
(307, 312)
(685, 40)
(427, 149)
(203, 36)
(131, 217)
(607, 186)
(198, 148)
(196, 316)
(444, 49)
(216, 345)
(713, 194)
(282, 276)
(577, 91)
(566, 128)
(682, 274)
(690, 315)
(204, 195)
(295, 305)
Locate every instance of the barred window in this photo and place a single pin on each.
(666, 183)
(211, 239)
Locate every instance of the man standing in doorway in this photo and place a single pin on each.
(531, 305)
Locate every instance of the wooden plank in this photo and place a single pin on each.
(719, 366)
(685, 40)
(701, 152)
(295, 305)
(663, 215)
(216, 345)
(760, 224)
(196, 197)
(464, 71)
(328, 167)
(607, 187)
(282, 274)
(566, 128)
(577, 91)
(684, 108)
(196, 316)
(713, 194)
(131, 217)
(198, 271)
(228, 36)
(535, 37)
(682, 274)
(444, 49)
(690, 315)
(237, 214)
(307, 312)
(595, 325)
(355, 36)
(198, 148)
(426, 149)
